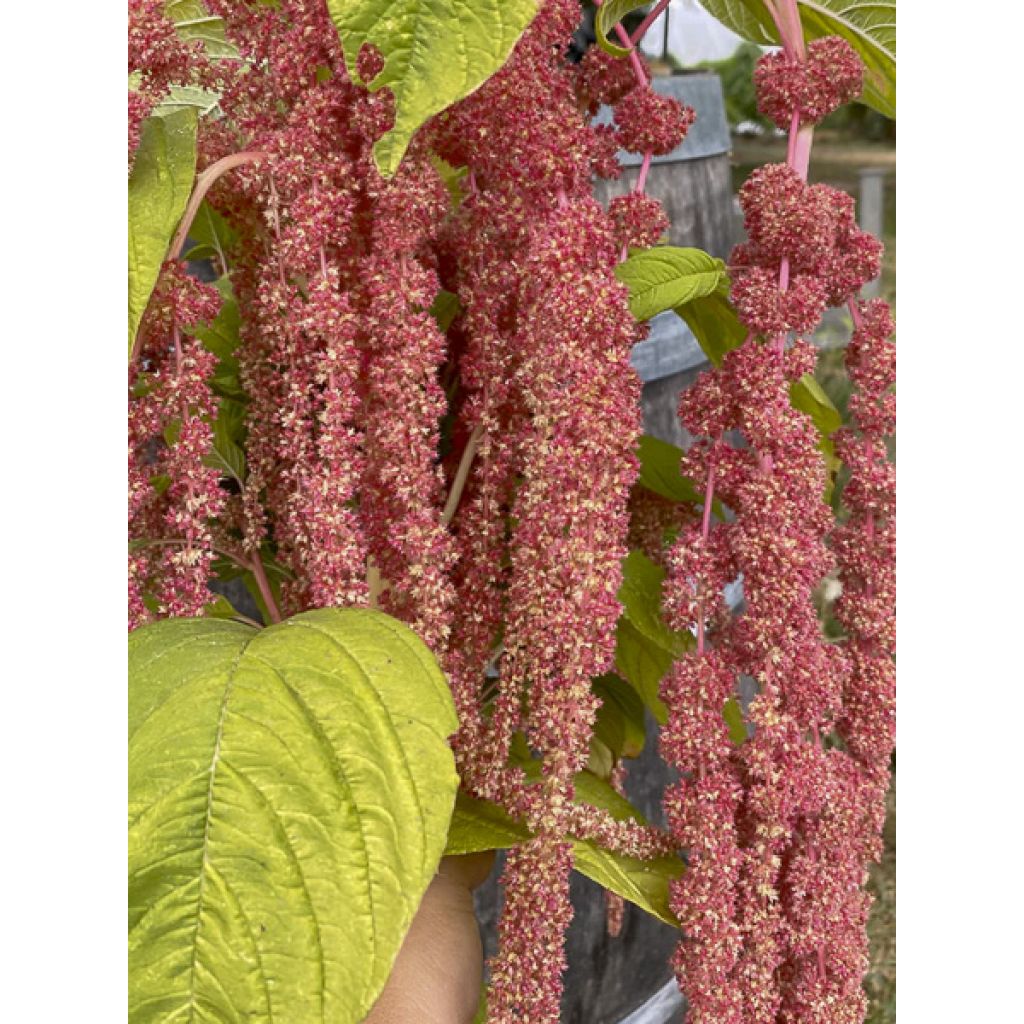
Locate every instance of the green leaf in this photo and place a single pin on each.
(868, 25)
(807, 395)
(644, 664)
(640, 595)
(211, 231)
(659, 471)
(289, 797)
(667, 277)
(451, 176)
(180, 96)
(620, 719)
(644, 645)
(222, 339)
(435, 53)
(192, 21)
(732, 712)
(227, 454)
(609, 14)
(479, 825)
(714, 323)
(220, 608)
(445, 309)
(158, 191)
(644, 883)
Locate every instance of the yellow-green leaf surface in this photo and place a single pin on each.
(667, 277)
(479, 825)
(608, 15)
(158, 191)
(289, 797)
(435, 53)
(869, 26)
(193, 21)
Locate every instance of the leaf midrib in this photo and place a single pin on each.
(204, 864)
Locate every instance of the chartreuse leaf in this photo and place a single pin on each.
(608, 15)
(158, 191)
(643, 882)
(733, 715)
(212, 235)
(435, 53)
(445, 308)
(289, 797)
(645, 646)
(868, 25)
(193, 21)
(667, 277)
(807, 395)
(179, 97)
(479, 825)
(620, 719)
(660, 472)
(714, 323)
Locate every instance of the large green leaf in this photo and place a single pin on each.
(644, 664)
(608, 15)
(158, 191)
(714, 323)
(289, 795)
(807, 395)
(479, 825)
(193, 21)
(620, 719)
(660, 473)
(667, 277)
(435, 53)
(644, 645)
(868, 25)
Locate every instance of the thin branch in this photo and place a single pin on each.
(203, 184)
(462, 474)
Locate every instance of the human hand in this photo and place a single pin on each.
(439, 969)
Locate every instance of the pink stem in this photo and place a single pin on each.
(203, 184)
(652, 16)
(264, 586)
(634, 57)
(645, 166)
(705, 533)
(802, 150)
(794, 128)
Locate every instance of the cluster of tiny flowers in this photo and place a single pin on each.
(651, 123)
(158, 58)
(173, 497)
(828, 76)
(865, 547)
(736, 808)
(804, 252)
(545, 367)
(779, 828)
